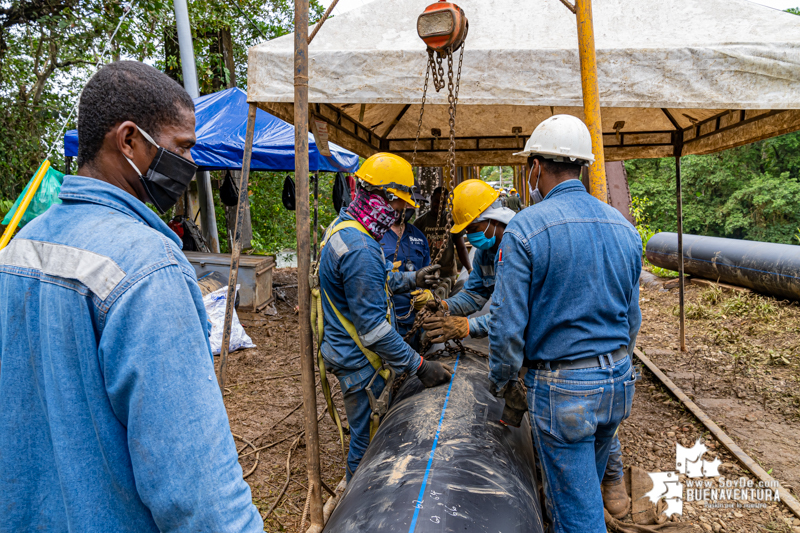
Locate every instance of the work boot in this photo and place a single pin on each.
(615, 498)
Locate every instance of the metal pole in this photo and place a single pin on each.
(185, 44)
(591, 98)
(679, 202)
(303, 260)
(208, 218)
(236, 247)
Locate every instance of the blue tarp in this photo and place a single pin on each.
(221, 124)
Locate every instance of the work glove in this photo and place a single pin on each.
(516, 399)
(433, 373)
(445, 328)
(421, 297)
(428, 276)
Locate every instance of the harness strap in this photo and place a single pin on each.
(318, 324)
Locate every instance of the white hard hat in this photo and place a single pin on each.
(562, 138)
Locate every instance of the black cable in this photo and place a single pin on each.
(245, 15)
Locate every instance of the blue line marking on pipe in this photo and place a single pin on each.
(433, 449)
(718, 265)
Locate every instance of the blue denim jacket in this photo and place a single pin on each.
(414, 248)
(567, 283)
(111, 418)
(476, 292)
(353, 273)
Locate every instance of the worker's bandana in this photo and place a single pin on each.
(373, 212)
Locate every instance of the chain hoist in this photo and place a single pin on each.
(443, 27)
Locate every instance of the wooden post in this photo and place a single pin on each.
(591, 98)
(303, 260)
(236, 247)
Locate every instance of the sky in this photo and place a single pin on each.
(347, 5)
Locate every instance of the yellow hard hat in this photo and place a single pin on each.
(470, 199)
(391, 173)
(513, 190)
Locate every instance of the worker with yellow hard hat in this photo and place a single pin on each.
(513, 202)
(359, 342)
(477, 208)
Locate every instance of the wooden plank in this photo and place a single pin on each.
(720, 435)
(724, 286)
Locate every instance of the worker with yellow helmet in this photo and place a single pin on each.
(359, 342)
(477, 208)
(513, 202)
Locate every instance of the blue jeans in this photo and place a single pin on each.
(359, 414)
(614, 468)
(574, 417)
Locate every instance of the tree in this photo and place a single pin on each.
(750, 192)
(49, 49)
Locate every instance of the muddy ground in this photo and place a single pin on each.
(742, 368)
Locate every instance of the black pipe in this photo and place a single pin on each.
(765, 267)
(479, 477)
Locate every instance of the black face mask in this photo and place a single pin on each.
(167, 178)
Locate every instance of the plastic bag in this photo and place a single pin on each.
(215, 308)
(45, 196)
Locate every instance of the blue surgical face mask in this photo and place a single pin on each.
(480, 241)
(536, 194)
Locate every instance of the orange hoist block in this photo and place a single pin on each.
(443, 25)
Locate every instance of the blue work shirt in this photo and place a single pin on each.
(353, 274)
(111, 418)
(476, 292)
(567, 283)
(413, 248)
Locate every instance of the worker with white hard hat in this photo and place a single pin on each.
(566, 306)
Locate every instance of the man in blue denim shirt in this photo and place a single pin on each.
(566, 305)
(413, 254)
(110, 416)
(355, 281)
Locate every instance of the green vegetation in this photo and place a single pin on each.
(48, 50)
(639, 208)
(750, 192)
(273, 224)
(714, 304)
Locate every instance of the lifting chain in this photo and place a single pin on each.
(435, 67)
(435, 70)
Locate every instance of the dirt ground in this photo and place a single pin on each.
(263, 398)
(742, 367)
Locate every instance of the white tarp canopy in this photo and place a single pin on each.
(723, 72)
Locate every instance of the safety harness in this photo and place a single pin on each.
(379, 405)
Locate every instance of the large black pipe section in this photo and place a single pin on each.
(765, 267)
(440, 462)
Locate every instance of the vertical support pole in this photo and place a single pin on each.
(679, 203)
(316, 214)
(591, 98)
(236, 247)
(208, 218)
(303, 260)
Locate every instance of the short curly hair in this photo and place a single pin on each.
(127, 90)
